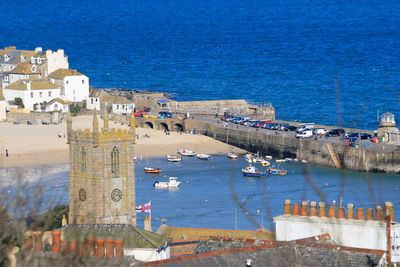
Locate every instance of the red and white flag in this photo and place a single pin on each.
(144, 208)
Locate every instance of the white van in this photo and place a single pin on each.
(305, 134)
(306, 126)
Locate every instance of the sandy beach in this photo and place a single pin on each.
(36, 145)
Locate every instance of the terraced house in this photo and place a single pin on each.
(37, 78)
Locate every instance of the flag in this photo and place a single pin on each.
(144, 208)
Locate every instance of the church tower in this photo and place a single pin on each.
(102, 177)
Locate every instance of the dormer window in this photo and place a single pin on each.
(6, 58)
(33, 68)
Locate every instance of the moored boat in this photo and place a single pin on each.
(265, 163)
(276, 171)
(233, 155)
(268, 157)
(152, 170)
(291, 160)
(252, 172)
(203, 156)
(280, 160)
(172, 183)
(173, 158)
(186, 152)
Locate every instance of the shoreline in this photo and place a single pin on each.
(39, 145)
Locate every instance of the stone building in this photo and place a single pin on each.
(388, 130)
(102, 179)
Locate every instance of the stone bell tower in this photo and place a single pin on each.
(102, 177)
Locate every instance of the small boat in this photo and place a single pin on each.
(248, 156)
(251, 160)
(172, 183)
(280, 160)
(291, 160)
(186, 152)
(276, 171)
(252, 172)
(203, 156)
(265, 163)
(173, 158)
(304, 161)
(233, 155)
(268, 157)
(152, 170)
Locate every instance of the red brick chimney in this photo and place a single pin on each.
(313, 209)
(360, 214)
(304, 209)
(370, 214)
(340, 212)
(378, 213)
(331, 211)
(296, 209)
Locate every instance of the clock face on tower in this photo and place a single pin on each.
(116, 195)
(82, 194)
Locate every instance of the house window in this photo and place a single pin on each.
(83, 81)
(32, 95)
(115, 161)
(66, 82)
(74, 91)
(55, 106)
(91, 100)
(82, 160)
(40, 94)
(5, 78)
(50, 93)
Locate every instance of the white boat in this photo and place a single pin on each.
(251, 160)
(280, 160)
(233, 155)
(203, 156)
(248, 156)
(173, 158)
(291, 160)
(172, 183)
(252, 172)
(268, 157)
(186, 152)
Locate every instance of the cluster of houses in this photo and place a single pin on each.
(38, 80)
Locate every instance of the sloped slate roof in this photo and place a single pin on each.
(62, 73)
(133, 237)
(59, 100)
(35, 85)
(25, 69)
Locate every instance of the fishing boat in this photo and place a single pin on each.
(252, 172)
(248, 156)
(173, 158)
(203, 156)
(172, 183)
(280, 160)
(186, 152)
(265, 163)
(251, 160)
(233, 155)
(268, 157)
(276, 171)
(291, 160)
(152, 170)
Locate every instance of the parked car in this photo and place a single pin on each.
(165, 114)
(307, 126)
(320, 131)
(282, 126)
(335, 132)
(305, 134)
(290, 128)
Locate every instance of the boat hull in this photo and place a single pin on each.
(254, 174)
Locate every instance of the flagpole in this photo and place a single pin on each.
(235, 220)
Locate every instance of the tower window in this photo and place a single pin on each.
(82, 160)
(115, 161)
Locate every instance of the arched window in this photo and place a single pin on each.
(115, 161)
(82, 159)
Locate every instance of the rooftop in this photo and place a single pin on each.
(62, 73)
(34, 85)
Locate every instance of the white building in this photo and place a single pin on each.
(35, 94)
(57, 104)
(22, 71)
(123, 107)
(2, 106)
(54, 61)
(74, 85)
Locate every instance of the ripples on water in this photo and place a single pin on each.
(206, 196)
(285, 52)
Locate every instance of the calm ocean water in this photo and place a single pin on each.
(286, 52)
(212, 190)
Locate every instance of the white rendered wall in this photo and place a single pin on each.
(76, 88)
(56, 60)
(2, 110)
(30, 97)
(122, 108)
(148, 254)
(93, 103)
(351, 233)
(57, 107)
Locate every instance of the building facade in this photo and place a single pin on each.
(102, 178)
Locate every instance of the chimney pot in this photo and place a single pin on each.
(55, 248)
(389, 210)
(378, 213)
(322, 209)
(287, 207)
(304, 208)
(341, 213)
(350, 211)
(370, 214)
(331, 211)
(296, 209)
(100, 248)
(109, 248)
(313, 208)
(360, 214)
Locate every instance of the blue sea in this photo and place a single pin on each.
(331, 62)
(215, 194)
